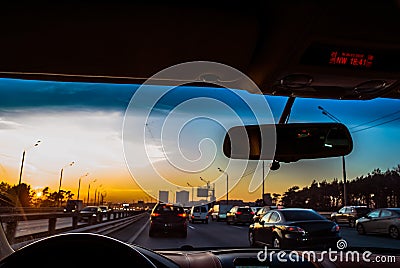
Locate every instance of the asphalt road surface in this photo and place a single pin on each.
(221, 235)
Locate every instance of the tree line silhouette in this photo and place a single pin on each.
(29, 198)
(375, 190)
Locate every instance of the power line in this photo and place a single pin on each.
(386, 122)
(379, 118)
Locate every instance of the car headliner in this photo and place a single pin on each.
(129, 41)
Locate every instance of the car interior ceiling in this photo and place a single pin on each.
(128, 42)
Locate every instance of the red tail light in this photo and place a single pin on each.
(335, 228)
(183, 215)
(155, 214)
(238, 213)
(295, 229)
(252, 213)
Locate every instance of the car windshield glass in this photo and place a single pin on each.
(169, 209)
(292, 215)
(82, 141)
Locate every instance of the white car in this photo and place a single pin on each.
(199, 214)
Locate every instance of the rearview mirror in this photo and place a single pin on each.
(288, 142)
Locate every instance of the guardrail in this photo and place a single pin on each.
(10, 223)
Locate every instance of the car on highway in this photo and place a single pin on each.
(92, 214)
(199, 214)
(148, 97)
(73, 205)
(349, 214)
(294, 228)
(239, 214)
(167, 218)
(223, 212)
(380, 221)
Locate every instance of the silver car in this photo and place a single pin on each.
(381, 220)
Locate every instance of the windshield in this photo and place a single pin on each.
(81, 141)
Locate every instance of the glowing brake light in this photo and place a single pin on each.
(155, 214)
(335, 228)
(252, 213)
(183, 215)
(295, 229)
(238, 213)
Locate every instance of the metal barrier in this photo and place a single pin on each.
(10, 222)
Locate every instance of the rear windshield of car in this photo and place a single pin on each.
(199, 209)
(89, 209)
(294, 215)
(244, 209)
(395, 210)
(169, 209)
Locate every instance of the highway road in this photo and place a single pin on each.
(220, 235)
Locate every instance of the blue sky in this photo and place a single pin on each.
(83, 122)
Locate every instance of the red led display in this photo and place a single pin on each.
(353, 59)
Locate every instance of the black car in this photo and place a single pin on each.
(168, 219)
(294, 228)
(91, 214)
(239, 214)
(349, 214)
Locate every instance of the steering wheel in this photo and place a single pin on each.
(77, 250)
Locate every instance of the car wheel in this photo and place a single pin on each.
(276, 242)
(394, 232)
(352, 222)
(228, 222)
(360, 229)
(251, 239)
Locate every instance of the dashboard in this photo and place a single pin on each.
(87, 249)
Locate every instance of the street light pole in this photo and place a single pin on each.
(79, 183)
(227, 188)
(192, 191)
(263, 179)
(208, 187)
(20, 173)
(88, 192)
(334, 118)
(61, 175)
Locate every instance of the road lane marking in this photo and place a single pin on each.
(191, 227)
(135, 236)
(239, 227)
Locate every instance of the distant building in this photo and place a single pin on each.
(163, 196)
(182, 197)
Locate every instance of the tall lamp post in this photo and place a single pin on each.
(263, 180)
(79, 183)
(208, 187)
(88, 192)
(97, 195)
(334, 118)
(227, 188)
(61, 176)
(20, 172)
(192, 191)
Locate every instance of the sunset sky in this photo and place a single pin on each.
(183, 133)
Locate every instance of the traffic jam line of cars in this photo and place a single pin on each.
(279, 227)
